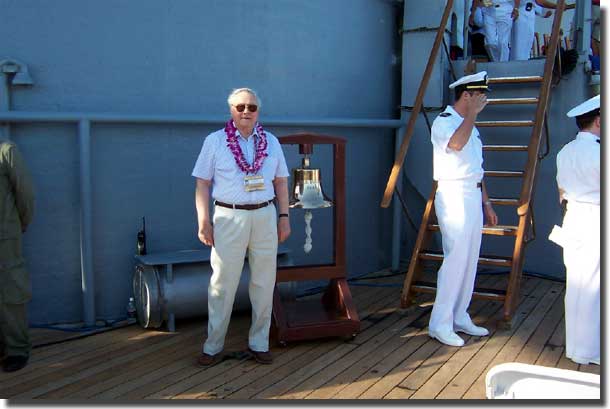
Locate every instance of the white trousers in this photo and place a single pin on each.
(523, 34)
(581, 257)
(497, 25)
(236, 231)
(460, 217)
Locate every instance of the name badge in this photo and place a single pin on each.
(255, 182)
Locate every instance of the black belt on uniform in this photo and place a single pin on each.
(244, 206)
(479, 185)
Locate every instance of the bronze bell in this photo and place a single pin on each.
(307, 188)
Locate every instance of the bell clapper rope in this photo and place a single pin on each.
(308, 216)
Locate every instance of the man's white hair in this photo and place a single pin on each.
(237, 91)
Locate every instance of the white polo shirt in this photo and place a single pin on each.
(450, 164)
(216, 163)
(578, 169)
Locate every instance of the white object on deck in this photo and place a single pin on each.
(522, 381)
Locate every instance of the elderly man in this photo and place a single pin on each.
(16, 211)
(246, 169)
(458, 160)
(578, 177)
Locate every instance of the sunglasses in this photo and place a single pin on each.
(242, 107)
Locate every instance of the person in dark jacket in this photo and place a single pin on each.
(16, 210)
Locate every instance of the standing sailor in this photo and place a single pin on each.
(458, 160)
(498, 16)
(578, 175)
(524, 28)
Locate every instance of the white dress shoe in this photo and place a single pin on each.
(471, 329)
(448, 338)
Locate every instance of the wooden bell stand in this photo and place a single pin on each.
(335, 314)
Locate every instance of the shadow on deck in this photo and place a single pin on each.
(391, 358)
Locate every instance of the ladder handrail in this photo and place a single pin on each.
(400, 157)
(534, 146)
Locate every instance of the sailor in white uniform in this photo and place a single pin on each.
(458, 159)
(523, 29)
(578, 178)
(498, 16)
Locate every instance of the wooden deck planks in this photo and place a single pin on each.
(535, 345)
(392, 357)
(553, 349)
(485, 316)
(112, 377)
(366, 358)
(40, 376)
(369, 342)
(46, 359)
(436, 356)
(444, 373)
(95, 365)
(193, 386)
(326, 353)
(378, 371)
(516, 341)
(533, 291)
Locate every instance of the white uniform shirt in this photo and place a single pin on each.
(450, 164)
(578, 169)
(216, 163)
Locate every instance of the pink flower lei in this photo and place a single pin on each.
(260, 143)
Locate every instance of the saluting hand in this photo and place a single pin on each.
(206, 234)
(477, 102)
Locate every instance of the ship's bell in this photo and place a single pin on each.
(307, 188)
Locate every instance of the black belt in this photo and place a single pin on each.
(479, 185)
(244, 206)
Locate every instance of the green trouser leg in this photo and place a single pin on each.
(14, 329)
(14, 295)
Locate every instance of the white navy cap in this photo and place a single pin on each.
(473, 82)
(589, 105)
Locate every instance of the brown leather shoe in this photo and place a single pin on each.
(208, 360)
(264, 358)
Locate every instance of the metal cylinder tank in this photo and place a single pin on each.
(169, 286)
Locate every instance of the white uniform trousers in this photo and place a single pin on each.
(497, 25)
(581, 256)
(523, 33)
(236, 231)
(460, 217)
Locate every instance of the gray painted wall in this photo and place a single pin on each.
(308, 60)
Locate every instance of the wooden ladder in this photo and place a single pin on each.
(521, 231)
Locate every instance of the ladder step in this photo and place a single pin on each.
(499, 230)
(514, 80)
(504, 173)
(503, 124)
(504, 201)
(479, 292)
(483, 259)
(512, 101)
(506, 148)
